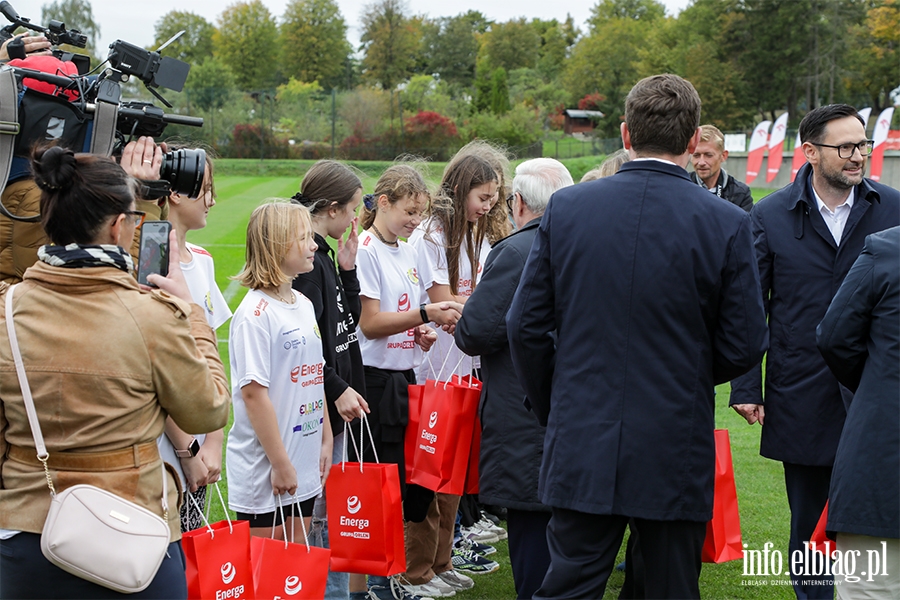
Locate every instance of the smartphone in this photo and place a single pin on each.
(154, 253)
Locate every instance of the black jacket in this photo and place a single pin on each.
(860, 341)
(800, 270)
(651, 287)
(729, 188)
(512, 441)
(337, 305)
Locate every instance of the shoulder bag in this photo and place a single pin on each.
(90, 532)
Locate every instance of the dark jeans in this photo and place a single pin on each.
(27, 574)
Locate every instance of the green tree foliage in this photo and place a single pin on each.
(875, 54)
(512, 45)
(482, 98)
(451, 46)
(197, 42)
(314, 44)
(607, 60)
(518, 127)
(390, 42)
(245, 41)
(499, 92)
(556, 39)
(76, 14)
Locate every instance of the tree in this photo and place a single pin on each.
(451, 47)
(875, 54)
(195, 45)
(314, 44)
(209, 86)
(76, 14)
(244, 41)
(390, 43)
(607, 60)
(499, 92)
(512, 45)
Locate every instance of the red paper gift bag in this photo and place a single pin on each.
(723, 532)
(819, 537)
(365, 517)
(283, 569)
(445, 435)
(217, 561)
(474, 454)
(412, 428)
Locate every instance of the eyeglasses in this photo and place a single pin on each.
(139, 217)
(846, 150)
(509, 201)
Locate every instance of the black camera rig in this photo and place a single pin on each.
(97, 103)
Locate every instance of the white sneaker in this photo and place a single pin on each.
(457, 580)
(477, 534)
(488, 526)
(447, 590)
(424, 590)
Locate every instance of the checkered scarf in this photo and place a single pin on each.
(76, 256)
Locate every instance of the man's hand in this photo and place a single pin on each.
(142, 159)
(30, 44)
(752, 412)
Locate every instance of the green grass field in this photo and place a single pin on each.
(760, 487)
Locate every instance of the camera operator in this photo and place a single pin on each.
(20, 241)
(23, 45)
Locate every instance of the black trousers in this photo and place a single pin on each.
(583, 550)
(528, 553)
(807, 491)
(27, 574)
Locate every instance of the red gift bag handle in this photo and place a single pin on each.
(284, 527)
(348, 429)
(205, 518)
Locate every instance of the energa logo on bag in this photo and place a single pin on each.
(292, 585)
(228, 574)
(354, 505)
(430, 438)
(432, 420)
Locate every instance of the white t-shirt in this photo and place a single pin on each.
(278, 346)
(200, 275)
(432, 263)
(389, 275)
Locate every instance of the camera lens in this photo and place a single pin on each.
(184, 170)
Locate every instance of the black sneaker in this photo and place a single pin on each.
(476, 547)
(466, 561)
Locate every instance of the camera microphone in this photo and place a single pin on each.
(9, 12)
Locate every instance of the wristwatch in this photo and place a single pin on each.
(424, 314)
(192, 450)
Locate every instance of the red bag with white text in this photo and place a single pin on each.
(283, 569)
(365, 517)
(444, 441)
(412, 428)
(723, 532)
(217, 560)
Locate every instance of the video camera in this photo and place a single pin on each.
(94, 109)
(55, 32)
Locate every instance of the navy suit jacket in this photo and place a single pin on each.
(801, 268)
(651, 285)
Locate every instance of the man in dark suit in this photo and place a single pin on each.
(860, 341)
(807, 236)
(649, 282)
(511, 440)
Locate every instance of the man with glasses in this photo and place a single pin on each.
(807, 236)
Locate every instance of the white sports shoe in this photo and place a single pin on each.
(457, 580)
(425, 590)
(488, 526)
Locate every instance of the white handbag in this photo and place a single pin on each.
(90, 532)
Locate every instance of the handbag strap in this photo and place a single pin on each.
(42, 454)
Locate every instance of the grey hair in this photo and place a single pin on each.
(537, 179)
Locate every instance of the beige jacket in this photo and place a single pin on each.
(106, 363)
